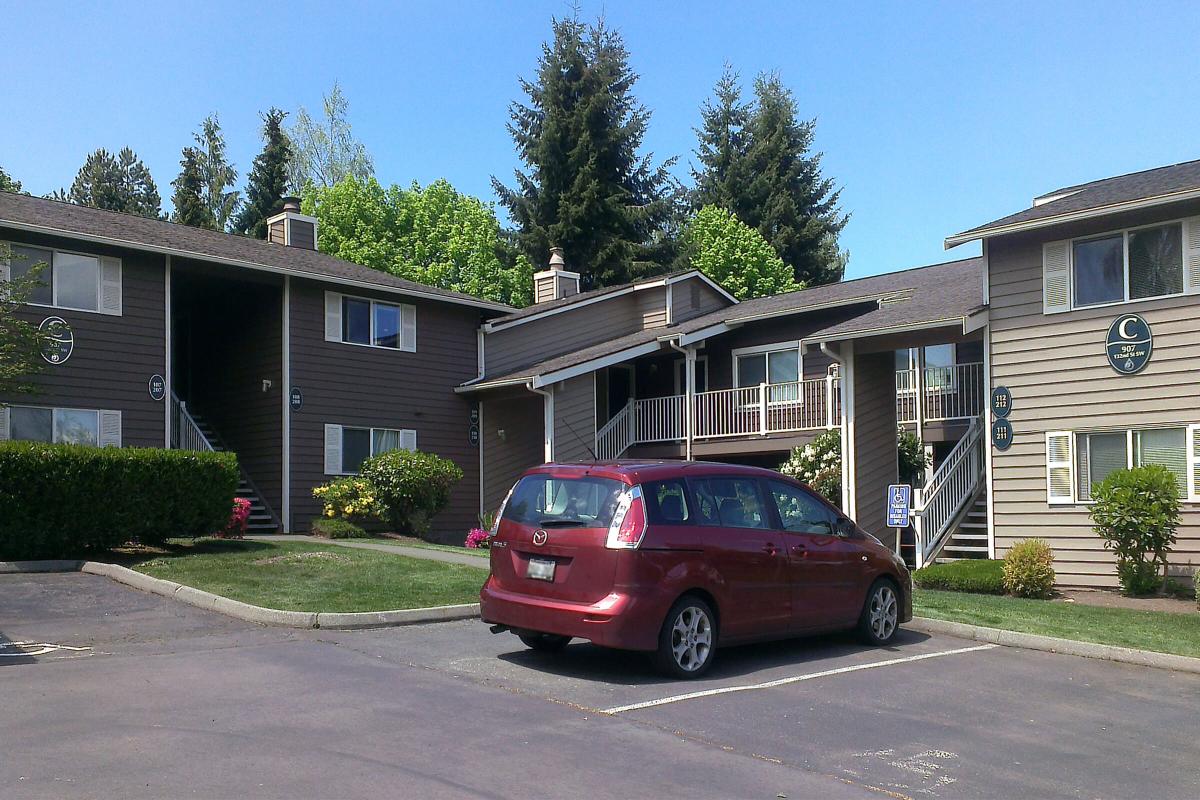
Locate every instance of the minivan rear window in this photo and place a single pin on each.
(545, 501)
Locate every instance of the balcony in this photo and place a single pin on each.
(940, 394)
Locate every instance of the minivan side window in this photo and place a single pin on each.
(799, 511)
(729, 502)
(667, 503)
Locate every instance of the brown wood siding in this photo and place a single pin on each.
(693, 297)
(113, 357)
(652, 304)
(276, 233)
(351, 385)
(540, 339)
(504, 459)
(575, 418)
(1056, 368)
(875, 459)
(304, 235)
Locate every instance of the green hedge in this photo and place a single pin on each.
(64, 500)
(981, 576)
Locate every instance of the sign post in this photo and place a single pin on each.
(899, 505)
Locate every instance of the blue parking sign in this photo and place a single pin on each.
(899, 502)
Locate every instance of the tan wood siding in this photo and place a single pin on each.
(114, 356)
(276, 233)
(693, 297)
(875, 460)
(575, 418)
(504, 459)
(652, 305)
(351, 385)
(540, 339)
(1057, 370)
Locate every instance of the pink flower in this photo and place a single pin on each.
(478, 538)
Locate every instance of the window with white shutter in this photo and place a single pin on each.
(1191, 255)
(333, 449)
(370, 323)
(1056, 277)
(1193, 462)
(408, 328)
(1060, 468)
(3, 423)
(110, 286)
(408, 440)
(333, 317)
(110, 428)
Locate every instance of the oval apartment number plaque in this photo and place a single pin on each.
(1129, 344)
(57, 340)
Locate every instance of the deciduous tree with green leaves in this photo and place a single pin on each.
(116, 183)
(188, 202)
(19, 338)
(8, 183)
(268, 181)
(735, 255)
(586, 187)
(433, 234)
(324, 152)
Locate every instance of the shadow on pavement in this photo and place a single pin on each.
(584, 660)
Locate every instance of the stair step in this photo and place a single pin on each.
(973, 525)
(970, 537)
(962, 548)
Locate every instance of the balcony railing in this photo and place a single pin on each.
(941, 393)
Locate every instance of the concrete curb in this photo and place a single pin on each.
(1051, 644)
(14, 567)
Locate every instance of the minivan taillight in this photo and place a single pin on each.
(500, 513)
(628, 523)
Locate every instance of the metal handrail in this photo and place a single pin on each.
(616, 436)
(185, 433)
(949, 490)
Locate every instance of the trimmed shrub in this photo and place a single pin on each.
(410, 487)
(64, 500)
(1029, 570)
(1136, 512)
(337, 528)
(975, 575)
(349, 498)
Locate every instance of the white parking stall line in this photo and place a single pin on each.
(27, 649)
(679, 698)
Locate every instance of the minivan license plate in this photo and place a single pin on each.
(540, 569)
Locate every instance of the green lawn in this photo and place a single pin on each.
(298, 576)
(1160, 631)
(420, 544)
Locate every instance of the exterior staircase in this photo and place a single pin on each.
(194, 432)
(970, 538)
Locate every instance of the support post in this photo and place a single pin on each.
(762, 409)
(689, 400)
(920, 415)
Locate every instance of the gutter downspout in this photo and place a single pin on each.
(689, 393)
(547, 419)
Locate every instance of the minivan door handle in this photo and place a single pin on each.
(770, 549)
(800, 550)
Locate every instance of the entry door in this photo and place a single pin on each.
(824, 570)
(748, 554)
(620, 388)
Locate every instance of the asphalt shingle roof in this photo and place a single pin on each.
(571, 300)
(1158, 182)
(53, 216)
(923, 295)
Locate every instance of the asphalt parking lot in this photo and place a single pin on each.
(107, 691)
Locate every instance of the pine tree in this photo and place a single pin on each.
(757, 162)
(188, 200)
(120, 183)
(268, 181)
(586, 188)
(217, 174)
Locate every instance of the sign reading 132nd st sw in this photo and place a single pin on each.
(1129, 344)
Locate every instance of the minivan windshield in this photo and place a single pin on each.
(546, 501)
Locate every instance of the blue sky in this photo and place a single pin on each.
(933, 117)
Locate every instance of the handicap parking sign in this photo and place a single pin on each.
(899, 501)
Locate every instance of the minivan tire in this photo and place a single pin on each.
(880, 617)
(544, 642)
(687, 643)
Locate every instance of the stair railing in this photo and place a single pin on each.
(185, 433)
(938, 506)
(617, 435)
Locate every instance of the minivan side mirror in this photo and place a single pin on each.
(843, 527)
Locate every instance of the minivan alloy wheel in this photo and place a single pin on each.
(692, 638)
(884, 610)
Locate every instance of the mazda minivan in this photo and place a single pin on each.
(679, 558)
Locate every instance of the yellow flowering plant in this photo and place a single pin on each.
(349, 498)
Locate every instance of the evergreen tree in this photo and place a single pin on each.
(115, 183)
(8, 183)
(268, 181)
(586, 188)
(757, 162)
(217, 173)
(188, 200)
(325, 152)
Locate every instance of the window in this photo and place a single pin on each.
(701, 375)
(370, 323)
(347, 447)
(667, 503)
(61, 425)
(1101, 453)
(1117, 267)
(573, 502)
(940, 372)
(771, 364)
(70, 280)
(730, 503)
(799, 511)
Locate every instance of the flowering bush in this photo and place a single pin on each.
(236, 527)
(819, 464)
(410, 487)
(349, 498)
(478, 538)
(1029, 569)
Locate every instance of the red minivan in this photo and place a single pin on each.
(676, 558)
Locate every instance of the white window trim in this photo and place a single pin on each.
(914, 365)
(1182, 222)
(404, 309)
(1192, 459)
(371, 430)
(776, 347)
(6, 429)
(1192, 453)
(1068, 463)
(679, 387)
(54, 252)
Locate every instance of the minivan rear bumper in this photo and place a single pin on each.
(619, 620)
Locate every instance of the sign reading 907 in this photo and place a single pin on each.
(1129, 344)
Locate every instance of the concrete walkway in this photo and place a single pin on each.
(399, 549)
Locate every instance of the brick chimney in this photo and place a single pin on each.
(291, 228)
(556, 282)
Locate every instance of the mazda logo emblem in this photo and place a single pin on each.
(539, 537)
